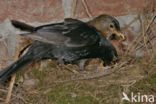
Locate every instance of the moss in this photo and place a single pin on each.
(64, 95)
(40, 75)
(146, 85)
(152, 80)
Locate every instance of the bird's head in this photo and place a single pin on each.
(108, 26)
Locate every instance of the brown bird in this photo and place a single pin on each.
(108, 26)
(71, 41)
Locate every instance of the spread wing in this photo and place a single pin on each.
(70, 33)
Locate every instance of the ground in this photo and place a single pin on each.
(55, 84)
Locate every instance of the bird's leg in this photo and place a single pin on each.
(102, 67)
(81, 64)
(60, 63)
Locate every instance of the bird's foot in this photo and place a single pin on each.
(102, 68)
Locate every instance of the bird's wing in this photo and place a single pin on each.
(70, 33)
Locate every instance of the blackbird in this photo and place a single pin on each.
(69, 42)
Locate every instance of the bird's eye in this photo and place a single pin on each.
(111, 26)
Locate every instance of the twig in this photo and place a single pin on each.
(72, 70)
(137, 39)
(74, 5)
(95, 75)
(152, 20)
(5, 91)
(144, 35)
(148, 27)
(2, 90)
(1, 99)
(11, 85)
(86, 8)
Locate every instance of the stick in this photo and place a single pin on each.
(94, 75)
(137, 40)
(86, 8)
(74, 5)
(11, 85)
(18, 97)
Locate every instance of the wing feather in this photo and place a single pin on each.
(70, 33)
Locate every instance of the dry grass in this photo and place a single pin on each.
(57, 85)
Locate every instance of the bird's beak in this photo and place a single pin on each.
(120, 35)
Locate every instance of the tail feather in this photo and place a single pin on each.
(22, 26)
(12, 69)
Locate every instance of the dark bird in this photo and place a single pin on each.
(71, 41)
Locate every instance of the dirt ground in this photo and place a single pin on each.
(55, 84)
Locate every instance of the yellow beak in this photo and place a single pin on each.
(120, 35)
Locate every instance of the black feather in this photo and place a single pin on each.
(22, 26)
(67, 42)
